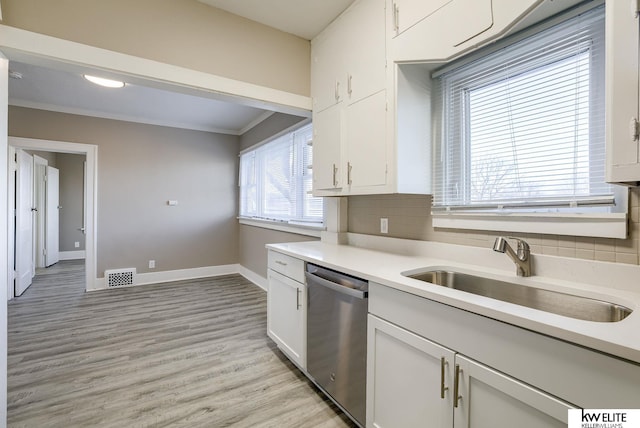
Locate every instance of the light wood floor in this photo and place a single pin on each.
(190, 353)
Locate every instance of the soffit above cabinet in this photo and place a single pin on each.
(303, 18)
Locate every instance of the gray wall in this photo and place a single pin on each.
(274, 124)
(140, 167)
(71, 200)
(253, 254)
(186, 33)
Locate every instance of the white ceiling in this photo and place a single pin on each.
(61, 87)
(304, 18)
(56, 90)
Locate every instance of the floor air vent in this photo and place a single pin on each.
(120, 277)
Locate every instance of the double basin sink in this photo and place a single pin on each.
(569, 305)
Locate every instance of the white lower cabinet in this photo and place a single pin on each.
(406, 376)
(286, 315)
(413, 382)
(488, 398)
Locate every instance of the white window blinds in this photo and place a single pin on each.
(523, 126)
(276, 178)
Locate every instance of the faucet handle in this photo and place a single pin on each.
(523, 247)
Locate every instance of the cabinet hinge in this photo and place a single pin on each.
(44, 251)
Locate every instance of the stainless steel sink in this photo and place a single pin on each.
(569, 305)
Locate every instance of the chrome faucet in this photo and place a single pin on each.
(522, 258)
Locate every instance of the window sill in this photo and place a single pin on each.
(283, 227)
(589, 225)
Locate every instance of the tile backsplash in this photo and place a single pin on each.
(409, 217)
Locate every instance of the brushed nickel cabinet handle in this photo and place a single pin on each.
(298, 291)
(335, 175)
(396, 18)
(443, 388)
(280, 263)
(349, 166)
(456, 387)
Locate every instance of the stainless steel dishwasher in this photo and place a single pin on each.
(337, 337)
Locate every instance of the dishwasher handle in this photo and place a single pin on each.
(315, 279)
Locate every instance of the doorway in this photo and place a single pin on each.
(88, 226)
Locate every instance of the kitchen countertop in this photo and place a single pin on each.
(620, 339)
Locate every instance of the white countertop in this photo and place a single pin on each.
(611, 282)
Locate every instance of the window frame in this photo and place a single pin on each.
(258, 218)
(572, 221)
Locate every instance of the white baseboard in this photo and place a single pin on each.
(72, 255)
(194, 273)
(257, 279)
(182, 274)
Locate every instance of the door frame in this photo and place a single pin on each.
(52, 217)
(90, 202)
(39, 200)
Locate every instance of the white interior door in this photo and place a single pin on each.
(24, 222)
(52, 252)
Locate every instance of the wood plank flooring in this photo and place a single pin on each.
(189, 353)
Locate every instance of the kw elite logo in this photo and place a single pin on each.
(604, 418)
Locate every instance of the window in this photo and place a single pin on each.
(523, 126)
(276, 179)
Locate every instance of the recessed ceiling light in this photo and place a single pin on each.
(107, 83)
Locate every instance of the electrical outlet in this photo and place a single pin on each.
(152, 264)
(384, 225)
(76, 244)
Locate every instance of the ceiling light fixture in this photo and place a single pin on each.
(107, 83)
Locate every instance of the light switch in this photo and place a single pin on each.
(172, 203)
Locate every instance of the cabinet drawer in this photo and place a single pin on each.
(286, 265)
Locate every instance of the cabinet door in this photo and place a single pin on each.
(622, 47)
(366, 143)
(286, 316)
(406, 379)
(489, 399)
(327, 140)
(328, 66)
(407, 13)
(441, 35)
(366, 47)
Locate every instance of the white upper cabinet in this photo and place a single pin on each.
(348, 57)
(366, 148)
(348, 82)
(439, 30)
(328, 75)
(407, 13)
(366, 63)
(622, 47)
(327, 156)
